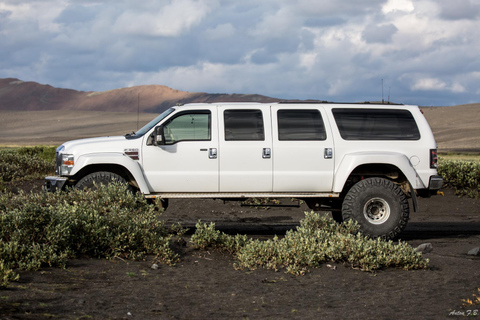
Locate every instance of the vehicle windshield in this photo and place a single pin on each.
(152, 123)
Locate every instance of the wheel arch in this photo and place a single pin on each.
(392, 166)
(112, 162)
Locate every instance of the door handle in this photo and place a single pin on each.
(267, 153)
(212, 153)
(328, 153)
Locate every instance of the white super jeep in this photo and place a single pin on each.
(362, 162)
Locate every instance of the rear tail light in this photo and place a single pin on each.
(433, 159)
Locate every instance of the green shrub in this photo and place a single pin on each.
(206, 236)
(49, 228)
(6, 274)
(462, 175)
(43, 152)
(317, 240)
(15, 165)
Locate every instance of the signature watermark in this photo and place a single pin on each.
(464, 313)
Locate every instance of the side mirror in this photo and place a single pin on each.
(159, 137)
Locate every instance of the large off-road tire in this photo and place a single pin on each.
(92, 180)
(379, 206)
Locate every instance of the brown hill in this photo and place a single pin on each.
(17, 95)
(457, 128)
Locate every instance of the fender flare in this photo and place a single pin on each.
(351, 161)
(115, 159)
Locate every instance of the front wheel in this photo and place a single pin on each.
(379, 206)
(92, 180)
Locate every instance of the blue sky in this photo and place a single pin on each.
(426, 52)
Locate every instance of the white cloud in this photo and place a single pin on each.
(169, 21)
(434, 84)
(41, 13)
(426, 50)
(428, 84)
(379, 33)
(457, 88)
(308, 60)
(221, 31)
(398, 5)
(459, 9)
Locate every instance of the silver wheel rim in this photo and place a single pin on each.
(376, 211)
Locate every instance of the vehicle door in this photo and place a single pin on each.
(245, 148)
(188, 160)
(302, 149)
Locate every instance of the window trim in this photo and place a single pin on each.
(243, 110)
(185, 112)
(323, 132)
(347, 136)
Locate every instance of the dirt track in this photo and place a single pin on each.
(204, 285)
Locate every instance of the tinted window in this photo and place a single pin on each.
(376, 124)
(188, 127)
(243, 125)
(300, 125)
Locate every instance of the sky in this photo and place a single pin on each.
(423, 52)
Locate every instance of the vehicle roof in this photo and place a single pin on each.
(297, 103)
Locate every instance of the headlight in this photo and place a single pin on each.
(66, 164)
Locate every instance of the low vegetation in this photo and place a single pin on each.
(316, 241)
(44, 229)
(462, 175)
(25, 163)
(47, 229)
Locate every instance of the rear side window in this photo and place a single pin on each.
(300, 125)
(376, 124)
(243, 125)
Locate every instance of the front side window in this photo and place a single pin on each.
(300, 125)
(243, 125)
(188, 127)
(376, 124)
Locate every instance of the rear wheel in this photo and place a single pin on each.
(379, 206)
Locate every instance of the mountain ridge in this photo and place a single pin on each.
(19, 95)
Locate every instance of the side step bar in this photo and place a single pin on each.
(221, 195)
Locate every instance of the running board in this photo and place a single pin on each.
(245, 195)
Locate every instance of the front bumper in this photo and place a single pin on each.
(54, 183)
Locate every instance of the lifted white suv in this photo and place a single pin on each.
(362, 162)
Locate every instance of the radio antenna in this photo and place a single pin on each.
(138, 109)
(382, 92)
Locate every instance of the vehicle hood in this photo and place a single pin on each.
(96, 145)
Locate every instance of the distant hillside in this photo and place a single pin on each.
(17, 95)
(457, 128)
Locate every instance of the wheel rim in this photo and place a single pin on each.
(376, 211)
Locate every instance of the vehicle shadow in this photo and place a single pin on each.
(435, 230)
(413, 231)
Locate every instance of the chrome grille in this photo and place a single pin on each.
(58, 162)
